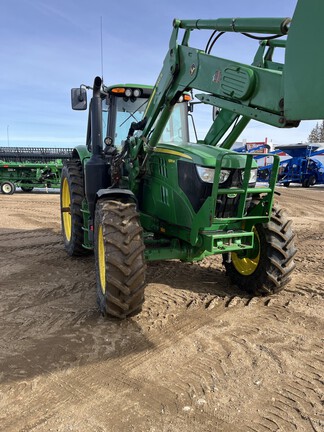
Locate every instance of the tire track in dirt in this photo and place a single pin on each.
(299, 403)
(199, 384)
(38, 247)
(184, 328)
(297, 195)
(119, 379)
(10, 239)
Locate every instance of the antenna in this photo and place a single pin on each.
(101, 48)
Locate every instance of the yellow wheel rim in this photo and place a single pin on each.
(247, 265)
(66, 204)
(101, 260)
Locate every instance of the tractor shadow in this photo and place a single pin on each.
(205, 277)
(50, 322)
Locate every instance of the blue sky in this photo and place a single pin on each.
(48, 47)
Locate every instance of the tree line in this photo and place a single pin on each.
(317, 133)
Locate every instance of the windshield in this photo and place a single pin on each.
(118, 117)
(128, 111)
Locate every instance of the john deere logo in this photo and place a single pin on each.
(231, 195)
(192, 69)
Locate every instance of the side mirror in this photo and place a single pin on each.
(79, 98)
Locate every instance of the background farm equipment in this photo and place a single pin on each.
(140, 190)
(30, 168)
(302, 168)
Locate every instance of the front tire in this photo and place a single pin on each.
(119, 258)
(267, 269)
(72, 195)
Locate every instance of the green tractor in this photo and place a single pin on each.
(140, 190)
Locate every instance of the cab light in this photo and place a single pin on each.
(128, 92)
(119, 90)
(184, 97)
(137, 93)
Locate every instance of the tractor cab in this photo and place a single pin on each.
(124, 104)
(121, 106)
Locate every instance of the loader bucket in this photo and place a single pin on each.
(304, 63)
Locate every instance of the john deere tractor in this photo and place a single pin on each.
(139, 190)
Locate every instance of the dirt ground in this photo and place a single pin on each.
(202, 356)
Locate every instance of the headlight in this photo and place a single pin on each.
(207, 174)
(253, 175)
(223, 175)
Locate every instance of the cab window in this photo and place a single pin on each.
(176, 130)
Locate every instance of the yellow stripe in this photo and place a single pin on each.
(172, 152)
(149, 101)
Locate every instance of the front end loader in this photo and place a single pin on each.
(141, 190)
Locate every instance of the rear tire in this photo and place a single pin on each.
(27, 188)
(269, 271)
(312, 181)
(119, 258)
(72, 195)
(8, 188)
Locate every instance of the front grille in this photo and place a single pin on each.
(189, 181)
(227, 206)
(197, 191)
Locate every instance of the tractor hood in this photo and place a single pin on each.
(204, 155)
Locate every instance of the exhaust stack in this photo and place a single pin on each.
(96, 118)
(96, 170)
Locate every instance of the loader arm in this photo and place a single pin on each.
(264, 91)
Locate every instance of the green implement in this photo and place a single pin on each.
(29, 168)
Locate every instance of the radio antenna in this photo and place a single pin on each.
(101, 49)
